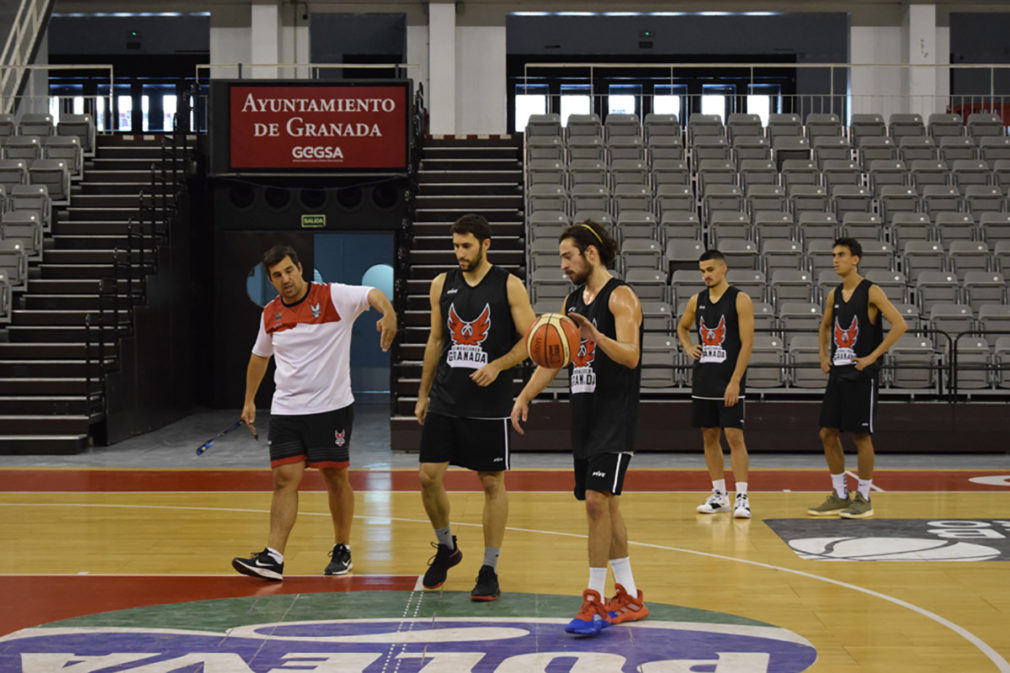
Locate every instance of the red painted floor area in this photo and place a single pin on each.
(649, 480)
(44, 598)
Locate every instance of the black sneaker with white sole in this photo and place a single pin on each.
(340, 561)
(260, 565)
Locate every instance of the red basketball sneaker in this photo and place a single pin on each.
(592, 618)
(624, 608)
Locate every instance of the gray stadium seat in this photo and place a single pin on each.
(969, 256)
(767, 363)
(945, 125)
(805, 362)
(659, 353)
(974, 364)
(993, 318)
(984, 287)
(912, 363)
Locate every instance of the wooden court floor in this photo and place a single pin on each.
(92, 554)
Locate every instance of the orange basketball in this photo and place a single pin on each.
(552, 339)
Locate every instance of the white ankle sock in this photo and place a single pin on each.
(741, 488)
(598, 580)
(275, 555)
(864, 487)
(838, 483)
(623, 576)
(718, 485)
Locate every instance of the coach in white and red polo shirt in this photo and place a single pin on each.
(308, 331)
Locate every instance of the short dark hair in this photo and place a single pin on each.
(592, 233)
(850, 243)
(471, 223)
(712, 253)
(276, 255)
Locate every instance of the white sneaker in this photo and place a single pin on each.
(717, 502)
(741, 509)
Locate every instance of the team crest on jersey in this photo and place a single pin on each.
(583, 376)
(467, 336)
(845, 341)
(316, 310)
(712, 339)
(340, 436)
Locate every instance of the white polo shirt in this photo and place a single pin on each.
(311, 344)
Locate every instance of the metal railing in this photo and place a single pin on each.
(24, 32)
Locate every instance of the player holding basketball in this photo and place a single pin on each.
(724, 317)
(850, 347)
(477, 312)
(308, 331)
(605, 378)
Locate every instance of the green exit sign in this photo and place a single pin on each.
(313, 221)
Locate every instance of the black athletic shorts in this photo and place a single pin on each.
(709, 413)
(603, 472)
(480, 444)
(850, 405)
(320, 440)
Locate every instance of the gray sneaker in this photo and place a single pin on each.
(859, 509)
(830, 507)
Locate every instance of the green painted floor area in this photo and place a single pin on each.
(222, 614)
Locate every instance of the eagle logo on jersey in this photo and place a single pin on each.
(340, 436)
(316, 310)
(583, 378)
(712, 340)
(845, 341)
(467, 337)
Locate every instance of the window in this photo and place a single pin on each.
(666, 99)
(168, 108)
(575, 100)
(125, 105)
(623, 98)
(716, 99)
(145, 109)
(763, 100)
(529, 100)
(100, 113)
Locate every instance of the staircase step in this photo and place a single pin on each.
(39, 445)
(492, 215)
(61, 317)
(447, 258)
(110, 186)
(123, 177)
(471, 164)
(504, 152)
(469, 188)
(476, 203)
(44, 351)
(38, 301)
(44, 404)
(87, 228)
(430, 175)
(49, 386)
(126, 200)
(14, 369)
(30, 424)
(101, 242)
(26, 334)
(510, 229)
(102, 214)
(131, 163)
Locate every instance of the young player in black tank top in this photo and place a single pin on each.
(605, 378)
(850, 349)
(724, 319)
(478, 311)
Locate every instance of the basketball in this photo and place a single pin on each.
(552, 339)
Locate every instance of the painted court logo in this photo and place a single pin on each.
(456, 645)
(896, 539)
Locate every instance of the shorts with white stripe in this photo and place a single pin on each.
(850, 405)
(480, 444)
(603, 472)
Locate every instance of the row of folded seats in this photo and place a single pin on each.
(621, 129)
(38, 160)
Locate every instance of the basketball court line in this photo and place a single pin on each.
(873, 487)
(1002, 665)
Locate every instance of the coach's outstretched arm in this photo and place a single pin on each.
(253, 377)
(386, 325)
(432, 349)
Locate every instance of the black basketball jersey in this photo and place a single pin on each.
(852, 333)
(719, 334)
(478, 329)
(604, 394)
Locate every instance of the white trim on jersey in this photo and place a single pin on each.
(505, 429)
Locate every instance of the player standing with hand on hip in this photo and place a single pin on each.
(724, 317)
(850, 346)
(605, 379)
(477, 312)
(307, 329)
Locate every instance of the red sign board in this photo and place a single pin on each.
(318, 126)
